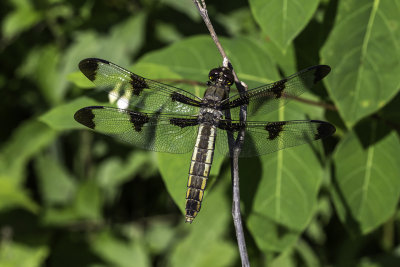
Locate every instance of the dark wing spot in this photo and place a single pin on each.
(138, 84)
(89, 67)
(85, 116)
(138, 120)
(325, 129)
(181, 122)
(278, 88)
(274, 129)
(321, 72)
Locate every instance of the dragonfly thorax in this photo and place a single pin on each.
(210, 115)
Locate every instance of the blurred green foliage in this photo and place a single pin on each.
(71, 197)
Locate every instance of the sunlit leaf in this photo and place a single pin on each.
(13, 195)
(62, 116)
(41, 66)
(22, 18)
(56, 184)
(363, 51)
(119, 252)
(17, 254)
(160, 235)
(367, 169)
(88, 201)
(282, 187)
(283, 20)
(27, 140)
(183, 6)
(194, 57)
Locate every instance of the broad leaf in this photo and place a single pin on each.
(283, 20)
(20, 19)
(62, 116)
(20, 254)
(364, 54)
(56, 184)
(120, 252)
(194, 57)
(207, 232)
(27, 140)
(282, 187)
(13, 195)
(367, 169)
(41, 67)
(86, 205)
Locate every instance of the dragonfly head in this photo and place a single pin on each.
(221, 76)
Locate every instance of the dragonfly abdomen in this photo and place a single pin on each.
(199, 171)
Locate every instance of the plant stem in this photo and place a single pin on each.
(234, 145)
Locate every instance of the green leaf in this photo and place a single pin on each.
(86, 206)
(20, 19)
(41, 67)
(12, 196)
(62, 116)
(281, 20)
(269, 235)
(194, 57)
(284, 259)
(56, 185)
(124, 41)
(160, 235)
(364, 54)
(80, 80)
(88, 203)
(113, 172)
(283, 185)
(239, 22)
(186, 7)
(167, 33)
(211, 248)
(367, 168)
(309, 256)
(15, 254)
(118, 252)
(27, 140)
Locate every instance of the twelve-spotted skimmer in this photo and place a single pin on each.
(177, 121)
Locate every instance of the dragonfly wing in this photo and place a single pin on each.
(131, 90)
(267, 137)
(151, 131)
(272, 96)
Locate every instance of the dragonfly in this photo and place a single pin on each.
(160, 117)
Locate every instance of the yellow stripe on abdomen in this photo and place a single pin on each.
(199, 170)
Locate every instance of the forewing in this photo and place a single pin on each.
(267, 137)
(131, 90)
(162, 133)
(272, 96)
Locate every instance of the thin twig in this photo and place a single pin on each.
(234, 145)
